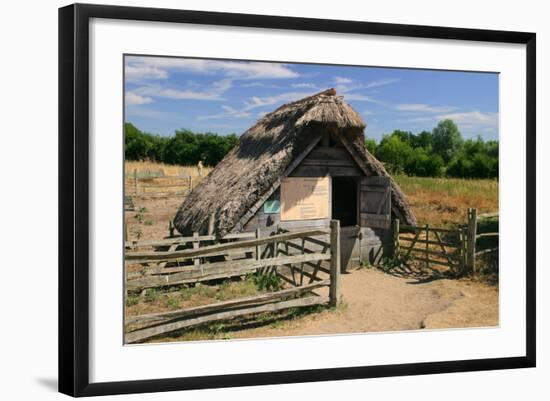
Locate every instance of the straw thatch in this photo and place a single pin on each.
(264, 154)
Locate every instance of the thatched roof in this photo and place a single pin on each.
(265, 152)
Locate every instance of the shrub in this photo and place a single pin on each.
(394, 153)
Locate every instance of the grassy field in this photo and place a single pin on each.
(169, 169)
(445, 201)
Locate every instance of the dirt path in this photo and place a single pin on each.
(376, 301)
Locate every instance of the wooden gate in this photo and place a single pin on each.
(433, 246)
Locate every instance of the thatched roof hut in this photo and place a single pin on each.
(269, 151)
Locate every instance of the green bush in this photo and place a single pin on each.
(422, 164)
(394, 152)
(184, 148)
(437, 153)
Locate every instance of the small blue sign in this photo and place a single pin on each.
(272, 206)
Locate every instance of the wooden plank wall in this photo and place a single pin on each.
(323, 161)
(334, 161)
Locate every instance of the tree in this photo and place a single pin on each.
(394, 153)
(370, 144)
(446, 140)
(423, 140)
(421, 163)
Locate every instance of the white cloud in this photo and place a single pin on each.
(212, 92)
(345, 85)
(252, 85)
(422, 119)
(139, 68)
(148, 113)
(361, 98)
(132, 98)
(380, 82)
(469, 121)
(228, 112)
(305, 85)
(137, 73)
(424, 108)
(255, 102)
(342, 80)
(473, 119)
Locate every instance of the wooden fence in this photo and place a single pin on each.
(474, 237)
(454, 248)
(285, 254)
(155, 183)
(431, 245)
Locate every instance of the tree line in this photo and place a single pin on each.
(442, 152)
(184, 147)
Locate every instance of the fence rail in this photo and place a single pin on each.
(277, 254)
(457, 248)
(146, 183)
(449, 251)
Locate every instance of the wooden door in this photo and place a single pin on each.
(375, 205)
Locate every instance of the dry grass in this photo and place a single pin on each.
(445, 201)
(157, 212)
(169, 169)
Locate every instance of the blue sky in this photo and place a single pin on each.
(165, 94)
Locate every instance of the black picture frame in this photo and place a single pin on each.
(74, 198)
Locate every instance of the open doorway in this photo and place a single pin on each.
(344, 200)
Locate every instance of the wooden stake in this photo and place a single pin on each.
(396, 238)
(196, 246)
(211, 224)
(258, 252)
(472, 232)
(171, 229)
(334, 292)
(427, 245)
(463, 249)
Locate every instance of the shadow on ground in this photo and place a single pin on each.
(49, 383)
(419, 274)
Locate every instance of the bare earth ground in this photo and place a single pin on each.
(376, 301)
(372, 300)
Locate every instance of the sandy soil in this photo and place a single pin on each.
(376, 301)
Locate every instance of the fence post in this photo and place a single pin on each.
(334, 291)
(395, 238)
(171, 229)
(196, 261)
(472, 233)
(463, 249)
(427, 246)
(190, 183)
(258, 254)
(135, 182)
(211, 224)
